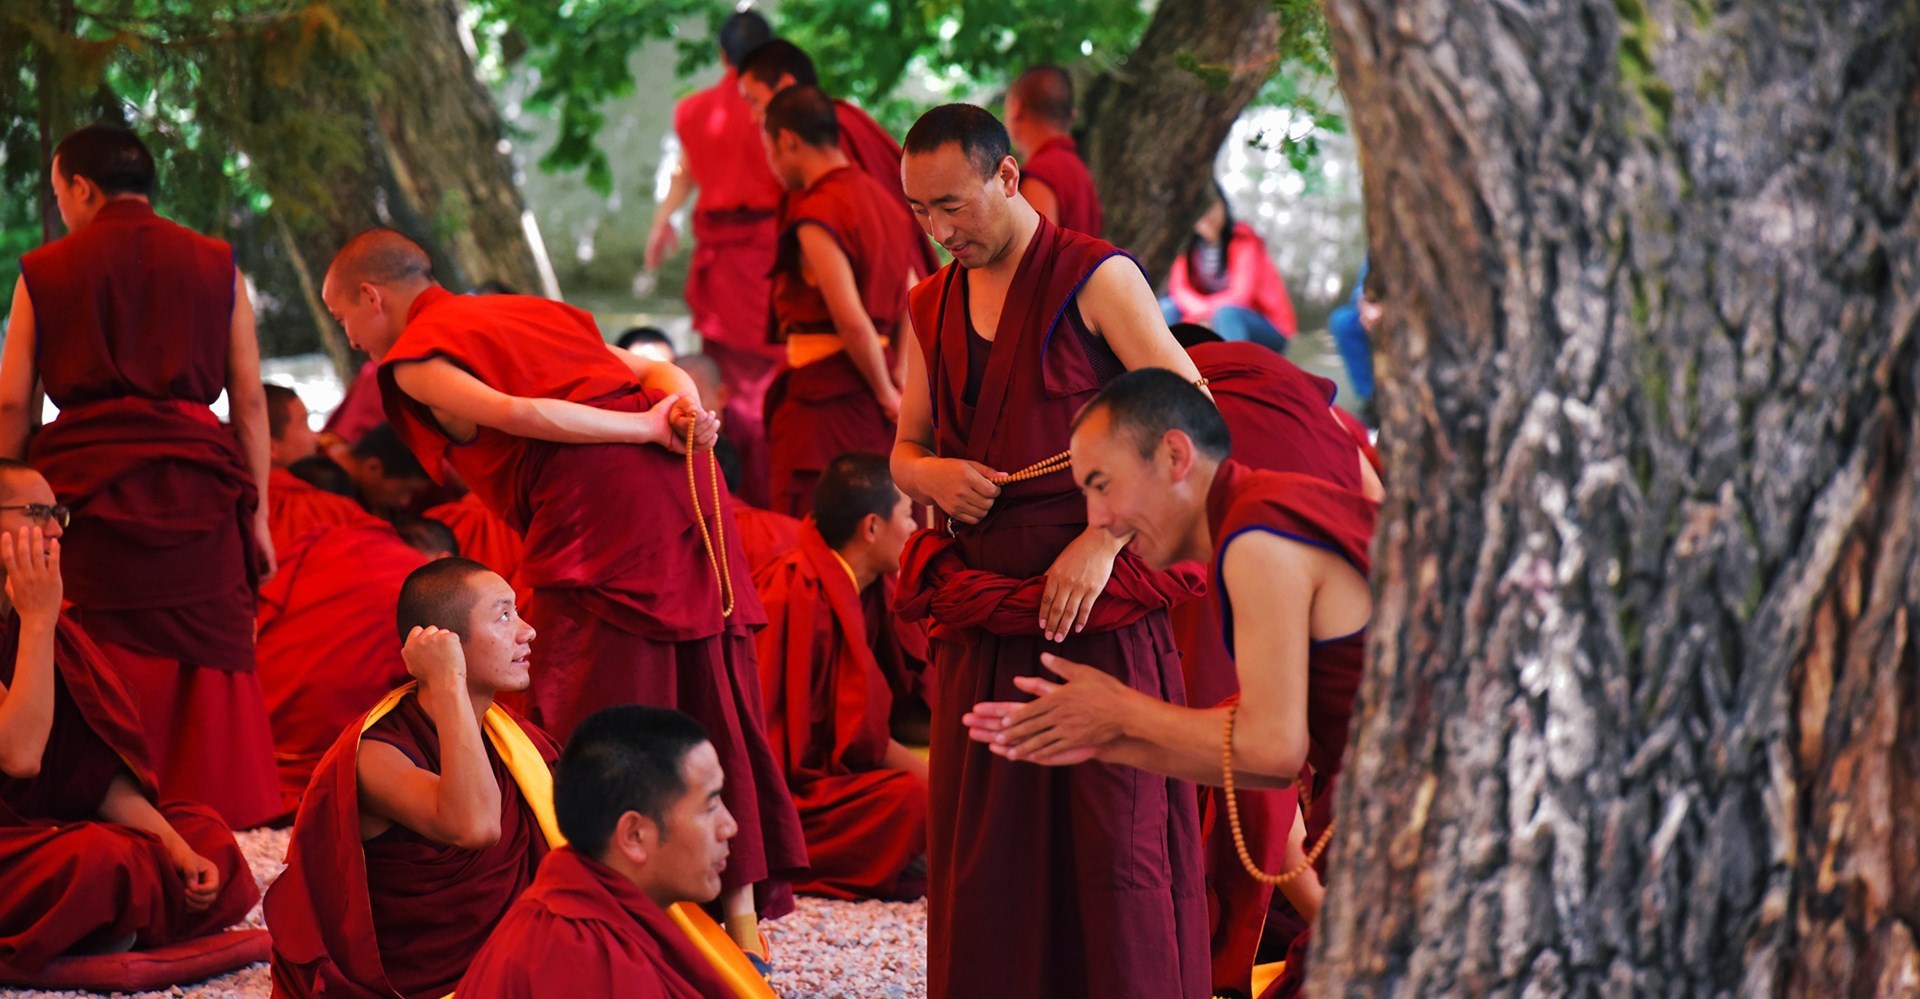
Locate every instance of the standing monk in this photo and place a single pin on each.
(839, 288)
(573, 443)
(1025, 325)
(1052, 175)
(135, 325)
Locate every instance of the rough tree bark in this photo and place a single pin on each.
(1156, 124)
(1640, 716)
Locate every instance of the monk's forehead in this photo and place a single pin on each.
(24, 485)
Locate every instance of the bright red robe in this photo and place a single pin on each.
(828, 707)
(623, 594)
(327, 643)
(133, 316)
(482, 535)
(764, 535)
(66, 877)
(1044, 881)
(297, 508)
(1058, 165)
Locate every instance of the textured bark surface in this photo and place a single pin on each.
(1156, 124)
(1640, 715)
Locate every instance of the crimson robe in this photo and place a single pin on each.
(764, 535)
(482, 535)
(67, 878)
(623, 594)
(1058, 165)
(326, 640)
(359, 409)
(828, 708)
(297, 508)
(397, 914)
(133, 316)
(1044, 881)
(873, 150)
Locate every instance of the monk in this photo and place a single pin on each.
(735, 220)
(839, 288)
(1289, 556)
(291, 438)
(481, 535)
(296, 507)
(747, 439)
(429, 537)
(385, 474)
(87, 859)
(553, 424)
(135, 325)
(424, 820)
(1052, 175)
(1009, 340)
(359, 409)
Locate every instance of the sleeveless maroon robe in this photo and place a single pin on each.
(482, 535)
(582, 929)
(67, 878)
(828, 708)
(623, 596)
(1058, 165)
(1044, 881)
(133, 316)
(397, 915)
(873, 150)
(822, 410)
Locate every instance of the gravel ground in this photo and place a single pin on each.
(824, 950)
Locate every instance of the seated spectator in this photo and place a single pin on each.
(1226, 280)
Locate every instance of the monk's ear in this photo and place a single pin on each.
(870, 526)
(1178, 448)
(1009, 175)
(635, 837)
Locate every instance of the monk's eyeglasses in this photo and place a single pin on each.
(40, 513)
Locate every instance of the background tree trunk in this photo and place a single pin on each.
(1157, 122)
(1640, 716)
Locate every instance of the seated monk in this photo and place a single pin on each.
(306, 491)
(429, 815)
(290, 437)
(862, 796)
(386, 476)
(1290, 551)
(88, 861)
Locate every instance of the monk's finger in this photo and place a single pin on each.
(1032, 685)
(9, 552)
(37, 550)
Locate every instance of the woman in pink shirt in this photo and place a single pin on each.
(1226, 280)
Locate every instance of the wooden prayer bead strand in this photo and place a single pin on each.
(722, 569)
(1035, 470)
(1240, 836)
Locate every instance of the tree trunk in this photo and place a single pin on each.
(1158, 121)
(1640, 716)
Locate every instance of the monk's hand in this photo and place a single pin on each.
(267, 558)
(1066, 723)
(964, 489)
(434, 657)
(1075, 580)
(889, 400)
(198, 874)
(706, 428)
(32, 561)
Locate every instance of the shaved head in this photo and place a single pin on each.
(1045, 92)
(380, 256)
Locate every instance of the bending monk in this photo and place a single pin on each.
(550, 421)
(135, 325)
(1289, 551)
(86, 858)
(424, 821)
(1010, 339)
(1052, 176)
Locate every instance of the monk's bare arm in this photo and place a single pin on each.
(661, 241)
(26, 709)
(962, 489)
(1118, 305)
(247, 410)
(462, 402)
(459, 806)
(17, 375)
(1040, 195)
(126, 805)
(833, 275)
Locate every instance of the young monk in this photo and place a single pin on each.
(1289, 556)
(420, 826)
(1052, 175)
(551, 424)
(291, 437)
(385, 474)
(1010, 339)
(86, 857)
(862, 796)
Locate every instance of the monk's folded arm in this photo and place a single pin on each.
(17, 375)
(441, 386)
(460, 806)
(833, 276)
(26, 708)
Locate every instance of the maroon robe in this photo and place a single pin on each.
(67, 878)
(482, 535)
(133, 316)
(397, 914)
(828, 708)
(873, 150)
(1057, 164)
(623, 595)
(582, 929)
(359, 409)
(1044, 881)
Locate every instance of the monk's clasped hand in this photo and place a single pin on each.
(435, 658)
(963, 489)
(199, 875)
(32, 561)
(1066, 723)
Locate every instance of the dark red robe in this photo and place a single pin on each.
(359, 409)
(1044, 881)
(623, 595)
(825, 409)
(67, 878)
(133, 316)
(297, 508)
(873, 150)
(1058, 165)
(764, 535)
(828, 708)
(483, 536)
(397, 914)
(327, 642)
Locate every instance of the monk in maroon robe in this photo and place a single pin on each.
(1052, 176)
(135, 325)
(1288, 550)
(359, 409)
(87, 859)
(633, 604)
(1043, 882)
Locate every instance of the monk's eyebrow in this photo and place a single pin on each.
(502, 602)
(1088, 481)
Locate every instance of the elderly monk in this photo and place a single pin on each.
(430, 813)
(1052, 175)
(549, 422)
(135, 325)
(86, 857)
(1288, 553)
(1026, 324)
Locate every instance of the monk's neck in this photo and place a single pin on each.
(819, 164)
(1036, 137)
(1198, 545)
(1026, 223)
(856, 562)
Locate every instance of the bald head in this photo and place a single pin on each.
(380, 256)
(371, 286)
(1045, 93)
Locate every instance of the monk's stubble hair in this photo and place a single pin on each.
(978, 133)
(1046, 92)
(110, 156)
(623, 759)
(851, 487)
(778, 58)
(439, 594)
(808, 113)
(379, 256)
(1146, 403)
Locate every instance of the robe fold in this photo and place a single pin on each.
(764, 535)
(133, 318)
(483, 536)
(400, 915)
(1058, 165)
(68, 879)
(624, 597)
(297, 508)
(1054, 882)
(828, 708)
(871, 148)
(327, 642)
